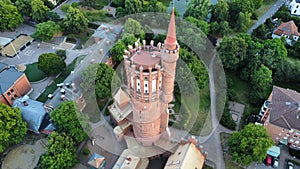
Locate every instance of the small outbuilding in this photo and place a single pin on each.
(96, 161)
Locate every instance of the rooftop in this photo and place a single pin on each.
(8, 78)
(285, 103)
(186, 156)
(146, 59)
(15, 45)
(287, 28)
(33, 112)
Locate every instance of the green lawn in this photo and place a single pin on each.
(188, 104)
(33, 73)
(267, 4)
(51, 88)
(242, 89)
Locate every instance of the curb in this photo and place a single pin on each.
(40, 81)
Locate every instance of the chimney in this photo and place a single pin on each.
(25, 103)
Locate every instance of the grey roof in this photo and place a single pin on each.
(2, 66)
(33, 113)
(284, 108)
(8, 77)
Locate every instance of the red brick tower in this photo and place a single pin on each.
(150, 81)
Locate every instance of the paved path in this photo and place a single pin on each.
(267, 15)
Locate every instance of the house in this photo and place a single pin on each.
(13, 84)
(280, 114)
(188, 155)
(288, 30)
(294, 7)
(97, 161)
(35, 114)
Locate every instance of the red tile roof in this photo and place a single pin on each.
(287, 28)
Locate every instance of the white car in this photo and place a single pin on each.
(275, 165)
(290, 165)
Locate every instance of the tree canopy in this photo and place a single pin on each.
(100, 81)
(39, 10)
(232, 52)
(69, 120)
(75, 21)
(197, 9)
(50, 63)
(201, 24)
(46, 30)
(9, 16)
(60, 152)
(134, 27)
(250, 144)
(12, 128)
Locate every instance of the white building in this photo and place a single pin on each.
(294, 7)
(288, 30)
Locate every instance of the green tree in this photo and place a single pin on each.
(128, 39)
(261, 84)
(250, 144)
(61, 53)
(99, 82)
(9, 16)
(39, 10)
(232, 52)
(117, 51)
(220, 11)
(69, 120)
(118, 3)
(243, 22)
(274, 51)
(24, 7)
(202, 25)
(60, 152)
(155, 6)
(89, 3)
(50, 63)
(53, 16)
(75, 21)
(134, 27)
(197, 9)
(45, 31)
(12, 128)
(237, 6)
(133, 6)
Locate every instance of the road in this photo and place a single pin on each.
(267, 15)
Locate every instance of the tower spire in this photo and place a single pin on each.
(171, 41)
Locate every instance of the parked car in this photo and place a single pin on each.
(275, 165)
(269, 160)
(290, 165)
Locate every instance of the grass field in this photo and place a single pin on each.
(33, 73)
(267, 4)
(242, 90)
(51, 88)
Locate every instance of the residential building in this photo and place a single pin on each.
(294, 7)
(188, 155)
(281, 116)
(35, 114)
(288, 30)
(13, 84)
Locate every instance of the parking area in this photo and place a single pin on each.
(282, 163)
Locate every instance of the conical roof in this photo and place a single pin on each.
(171, 41)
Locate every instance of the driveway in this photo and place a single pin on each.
(267, 15)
